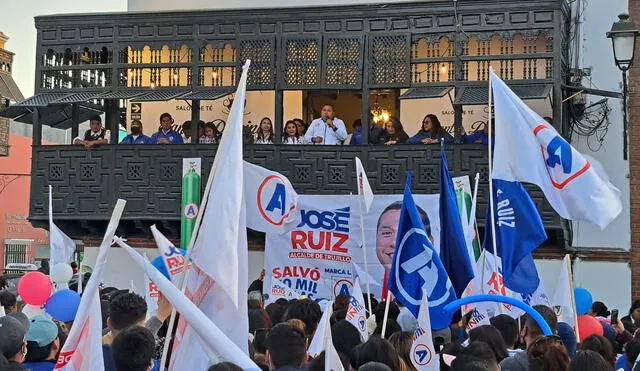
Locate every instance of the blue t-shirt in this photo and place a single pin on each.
(172, 136)
(141, 139)
(478, 136)
(39, 366)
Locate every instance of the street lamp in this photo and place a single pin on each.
(623, 38)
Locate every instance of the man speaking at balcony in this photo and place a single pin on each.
(166, 134)
(327, 129)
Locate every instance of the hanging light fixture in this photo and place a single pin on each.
(379, 113)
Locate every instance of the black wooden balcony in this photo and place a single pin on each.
(87, 183)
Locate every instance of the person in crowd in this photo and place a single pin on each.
(133, 349)
(95, 136)
(224, 366)
(258, 283)
(395, 133)
(44, 266)
(589, 360)
(448, 354)
(327, 129)
(345, 337)
(402, 341)
(306, 310)
(406, 320)
(287, 347)
(355, 138)
(290, 134)
(631, 322)
(631, 352)
(341, 302)
(568, 337)
(508, 328)
(431, 132)
(254, 300)
(43, 344)
(125, 310)
(13, 346)
(546, 353)
(479, 136)
(74, 267)
(376, 349)
(275, 312)
(136, 136)
(258, 319)
(529, 333)
(166, 134)
(478, 355)
(265, 134)
(8, 301)
(374, 366)
(301, 127)
(600, 345)
(492, 337)
(599, 309)
(392, 328)
(210, 134)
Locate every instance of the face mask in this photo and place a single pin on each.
(135, 130)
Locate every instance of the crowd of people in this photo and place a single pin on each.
(326, 130)
(281, 332)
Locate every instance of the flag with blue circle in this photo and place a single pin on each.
(416, 266)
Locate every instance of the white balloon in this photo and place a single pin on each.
(32, 310)
(61, 273)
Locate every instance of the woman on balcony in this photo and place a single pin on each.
(302, 128)
(291, 134)
(394, 132)
(431, 132)
(210, 134)
(265, 132)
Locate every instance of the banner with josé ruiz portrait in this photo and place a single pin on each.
(314, 258)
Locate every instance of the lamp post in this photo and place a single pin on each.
(623, 38)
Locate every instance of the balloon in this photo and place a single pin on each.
(63, 305)
(34, 288)
(61, 273)
(583, 300)
(158, 262)
(588, 325)
(31, 310)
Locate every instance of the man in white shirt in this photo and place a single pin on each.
(327, 129)
(96, 135)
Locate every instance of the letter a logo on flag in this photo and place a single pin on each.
(423, 354)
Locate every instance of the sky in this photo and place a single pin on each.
(16, 21)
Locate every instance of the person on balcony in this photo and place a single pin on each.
(136, 136)
(186, 132)
(394, 132)
(96, 135)
(290, 135)
(355, 138)
(479, 136)
(301, 127)
(166, 134)
(265, 134)
(327, 129)
(210, 134)
(431, 132)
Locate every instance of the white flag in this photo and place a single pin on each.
(212, 337)
(83, 348)
(423, 354)
(61, 247)
(562, 300)
(364, 188)
(151, 294)
(356, 312)
(528, 149)
(322, 341)
(217, 282)
(280, 289)
(272, 203)
(173, 259)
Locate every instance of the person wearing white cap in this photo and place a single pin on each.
(42, 344)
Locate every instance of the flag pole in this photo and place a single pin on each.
(474, 206)
(386, 315)
(364, 248)
(491, 202)
(567, 259)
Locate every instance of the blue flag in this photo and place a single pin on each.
(520, 231)
(417, 266)
(453, 245)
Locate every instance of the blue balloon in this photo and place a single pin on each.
(584, 300)
(63, 305)
(456, 304)
(158, 262)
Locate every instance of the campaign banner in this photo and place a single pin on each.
(315, 257)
